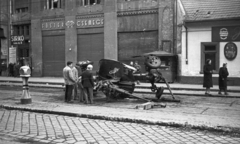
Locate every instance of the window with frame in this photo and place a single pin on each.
(88, 2)
(53, 4)
(21, 10)
(21, 30)
(210, 50)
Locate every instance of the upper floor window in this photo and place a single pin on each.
(88, 2)
(21, 30)
(21, 10)
(53, 4)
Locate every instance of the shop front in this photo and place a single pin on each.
(53, 47)
(90, 39)
(218, 42)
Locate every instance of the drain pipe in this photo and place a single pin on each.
(186, 29)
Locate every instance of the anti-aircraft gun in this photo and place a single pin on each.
(154, 73)
(115, 80)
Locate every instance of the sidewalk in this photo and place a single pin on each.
(219, 113)
(177, 88)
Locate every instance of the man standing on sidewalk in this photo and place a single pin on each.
(69, 81)
(88, 84)
(75, 88)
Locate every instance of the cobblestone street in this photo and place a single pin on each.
(48, 128)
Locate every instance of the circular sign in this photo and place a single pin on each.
(230, 51)
(223, 33)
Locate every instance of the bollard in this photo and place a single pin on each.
(25, 74)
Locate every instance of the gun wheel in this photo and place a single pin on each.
(153, 61)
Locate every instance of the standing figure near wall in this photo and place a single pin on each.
(207, 76)
(222, 79)
(88, 84)
(69, 81)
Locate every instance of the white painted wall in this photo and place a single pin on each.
(196, 35)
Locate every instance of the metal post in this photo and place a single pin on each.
(26, 98)
(25, 74)
(52, 4)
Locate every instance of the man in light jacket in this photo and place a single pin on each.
(69, 81)
(75, 88)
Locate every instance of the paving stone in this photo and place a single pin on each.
(81, 130)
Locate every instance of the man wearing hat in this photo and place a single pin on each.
(88, 84)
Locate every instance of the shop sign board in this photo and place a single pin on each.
(225, 33)
(79, 23)
(12, 55)
(51, 25)
(91, 22)
(230, 51)
(17, 40)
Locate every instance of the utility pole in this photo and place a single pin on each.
(9, 28)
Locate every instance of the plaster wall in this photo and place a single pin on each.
(36, 45)
(70, 40)
(195, 37)
(110, 30)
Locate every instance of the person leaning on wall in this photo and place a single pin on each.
(222, 79)
(207, 76)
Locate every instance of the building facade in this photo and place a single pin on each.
(210, 30)
(57, 31)
(4, 34)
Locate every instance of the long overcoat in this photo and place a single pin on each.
(87, 79)
(222, 79)
(207, 76)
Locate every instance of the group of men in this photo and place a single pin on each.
(77, 80)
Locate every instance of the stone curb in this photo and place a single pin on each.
(55, 84)
(225, 130)
(190, 94)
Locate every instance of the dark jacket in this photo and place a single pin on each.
(207, 76)
(87, 79)
(222, 79)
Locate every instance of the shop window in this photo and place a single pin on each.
(210, 50)
(53, 4)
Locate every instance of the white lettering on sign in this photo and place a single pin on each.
(223, 33)
(17, 39)
(70, 24)
(90, 22)
(53, 25)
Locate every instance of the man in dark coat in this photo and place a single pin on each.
(222, 79)
(207, 76)
(88, 84)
